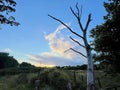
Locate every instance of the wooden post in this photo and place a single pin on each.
(82, 79)
(99, 83)
(69, 87)
(37, 84)
(74, 73)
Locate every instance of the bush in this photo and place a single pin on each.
(22, 79)
(59, 80)
(43, 77)
(55, 78)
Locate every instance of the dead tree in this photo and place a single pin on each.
(90, 70)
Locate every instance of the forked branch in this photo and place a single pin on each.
(88, 21)
(78, 16)
(66, 26)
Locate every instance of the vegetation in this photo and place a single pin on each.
(24, 76)
(25, 64)
(15, 82)
(54, 79)
(10, 66)
(107, 38)
(7, 6)
(90, 70)
(7, 61)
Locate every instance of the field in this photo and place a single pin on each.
(54, 79)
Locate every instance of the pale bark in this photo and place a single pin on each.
(90, 73)
(90, 69)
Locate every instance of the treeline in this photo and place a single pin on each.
(78, 67)
(7, 61)
(10, 66)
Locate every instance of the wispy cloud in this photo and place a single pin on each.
(7, 50)
(42, 60)
(58, 44)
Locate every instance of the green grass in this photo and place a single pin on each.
(23, 81)
(10, 82)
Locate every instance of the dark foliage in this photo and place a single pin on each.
(25, 64)
(78, 67)
(107, 37)
(54, 78)
(7, 6)
(10, 66)
(22, 78)
(7, 61)
(18, 70)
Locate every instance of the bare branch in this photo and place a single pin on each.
(73, 12)
(88, 21)
(78, 11)
(77, 42)
(79, 22)
(78, 16)
(66, 50)
(81, 11)
(66, 26)
(76, 52)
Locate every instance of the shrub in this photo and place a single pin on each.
(22, 79)
(59, 79)
(43, 77)
(55, 78)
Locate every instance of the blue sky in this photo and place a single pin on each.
(41, 40)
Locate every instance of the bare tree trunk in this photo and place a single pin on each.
(90, 73)
(90, 69)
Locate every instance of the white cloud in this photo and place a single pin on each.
(58, 43)
(7, 50)
(49, 60)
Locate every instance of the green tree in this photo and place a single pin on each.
(25, 64)
(7, 6)
(107, 37)
(7, 61)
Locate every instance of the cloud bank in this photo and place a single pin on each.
(58, 43)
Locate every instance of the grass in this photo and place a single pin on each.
(23, 81)
(10, 82)
(108, 80)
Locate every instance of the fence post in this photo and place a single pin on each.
(37, 84)
(69, 87)
(74, 76)
(82, 79)
(99, 83)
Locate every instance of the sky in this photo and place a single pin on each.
(43, 41)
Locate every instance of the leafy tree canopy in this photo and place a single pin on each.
(7, 61)
(7, 6)
(25, 64)
(107, 36)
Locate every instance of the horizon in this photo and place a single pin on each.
(40, 40)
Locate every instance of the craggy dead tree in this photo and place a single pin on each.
(90, 70)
